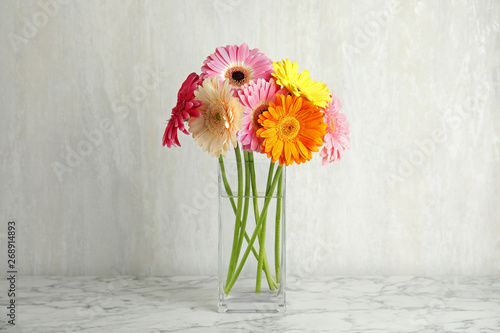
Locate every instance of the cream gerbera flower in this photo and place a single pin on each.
(220, 117)
(287, 74)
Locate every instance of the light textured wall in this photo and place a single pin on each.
(86, 88)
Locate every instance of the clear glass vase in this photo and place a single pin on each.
(251, 211)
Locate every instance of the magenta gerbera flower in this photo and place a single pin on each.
(186, 107)
(337, 138)
(256, 97)
(238, 64)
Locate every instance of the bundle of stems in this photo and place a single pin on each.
(240, 209)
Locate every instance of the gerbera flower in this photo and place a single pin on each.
(337, 138)
(287, 74)
(256, 97)
(292, 128)
(237, 64)
(220, 117)
(185, 108)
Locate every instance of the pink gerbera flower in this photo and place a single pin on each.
(337, 138)
(256, 97)
(238, 64)
(186, 107)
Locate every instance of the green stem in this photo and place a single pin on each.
(277, 245)
(234, 255)
(247, 238)
(254, 235)
(226, 183)
(262, 236)
(247, 202)
(270, 280)
(262, 245)
(229, 192)
(269, 177)
(254, 189)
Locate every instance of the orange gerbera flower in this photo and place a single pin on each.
(292, 129)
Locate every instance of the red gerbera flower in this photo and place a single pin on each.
(186, 107)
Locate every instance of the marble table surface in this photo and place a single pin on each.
(322, 304)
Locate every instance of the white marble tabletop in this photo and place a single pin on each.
(325, 304)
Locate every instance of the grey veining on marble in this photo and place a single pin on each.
(324, 304)
(93, 200)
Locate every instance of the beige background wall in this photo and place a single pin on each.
(86, 88)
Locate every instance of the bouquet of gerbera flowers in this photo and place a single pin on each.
(243, 100)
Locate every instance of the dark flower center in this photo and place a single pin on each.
(238, 76)
(256, 113)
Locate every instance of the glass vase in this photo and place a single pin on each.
(252, 270)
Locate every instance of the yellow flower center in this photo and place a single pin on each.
(238, 76)
(256, 113)
(287, 128)
(214, 119)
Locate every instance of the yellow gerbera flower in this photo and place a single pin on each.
(287, 74)
(220, 117)
(292, 128)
